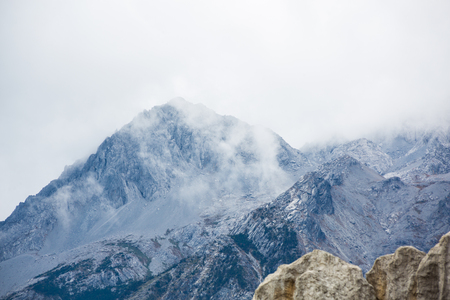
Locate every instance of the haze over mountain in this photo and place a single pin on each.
(74, 72)
(183, 202)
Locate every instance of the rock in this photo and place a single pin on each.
(433, 280)
(393, 275)
(316, 275)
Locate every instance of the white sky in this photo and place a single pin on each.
(73, 72)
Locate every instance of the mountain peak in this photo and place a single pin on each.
(183, 105)
(179, 101)
(184, 113)
(162, 170)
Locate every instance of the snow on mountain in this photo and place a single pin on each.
(349, 210)
(171, 166)
(425, 153)
(184, 203)
(412, 154)
(365, 151)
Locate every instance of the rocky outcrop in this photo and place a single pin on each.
(410, 274)
(406, 274)
(433, 279)
(316, 275)
(394, 275)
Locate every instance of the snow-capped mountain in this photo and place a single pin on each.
(348, 209)
(167, 168)
(182, 203)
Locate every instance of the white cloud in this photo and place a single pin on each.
(73, 72)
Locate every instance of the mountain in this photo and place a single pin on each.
(171, 166)
(184, 203)
(349, 210)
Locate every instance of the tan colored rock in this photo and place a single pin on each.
(377, 276)
(317, 275)
(393, 275)
(433, 278)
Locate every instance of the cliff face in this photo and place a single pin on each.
(433, 280)
(410, 274)
(407, 274)
(394, 275)
(315, 276)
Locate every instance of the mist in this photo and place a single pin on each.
(72, 74)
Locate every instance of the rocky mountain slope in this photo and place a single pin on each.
(185, 204)
(174, 165)
(406, 274)
(351, 211)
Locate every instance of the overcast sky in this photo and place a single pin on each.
(73, 72)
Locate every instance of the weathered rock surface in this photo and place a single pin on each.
(433, 280)
(410, 274)
(316, 275)
(394, 275)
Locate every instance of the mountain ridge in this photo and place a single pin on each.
(181, 185)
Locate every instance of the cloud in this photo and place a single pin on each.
(73, 72)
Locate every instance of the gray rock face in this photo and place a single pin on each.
(347, 209)
(173, 166)
(433, 279)
(315, 276)
(176, 151)
(394, 275)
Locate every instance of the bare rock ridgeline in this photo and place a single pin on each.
(406, 274)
